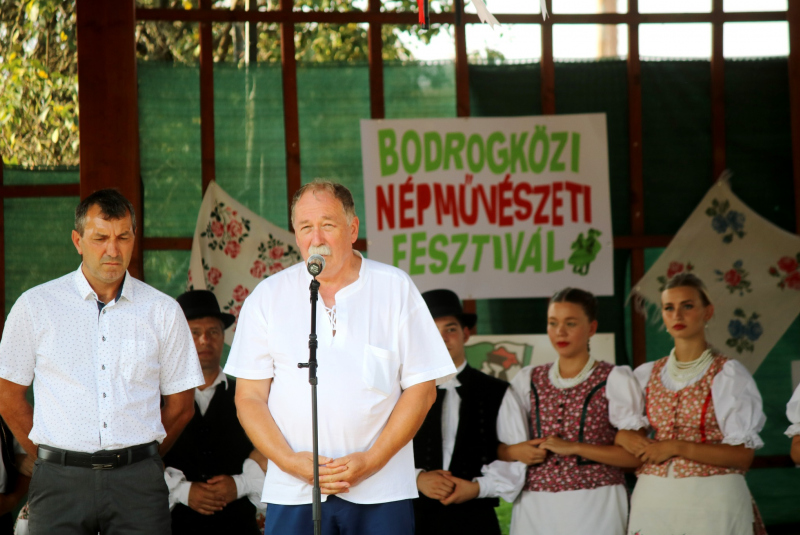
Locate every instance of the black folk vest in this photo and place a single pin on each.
(476, 445)
(210, 445)
(8, 457)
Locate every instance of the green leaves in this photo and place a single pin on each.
(38, 83)
(39, 115)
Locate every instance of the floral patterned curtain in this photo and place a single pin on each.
(234, 249)
(750, 267)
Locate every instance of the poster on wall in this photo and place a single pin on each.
(491, 207)
(503, 355)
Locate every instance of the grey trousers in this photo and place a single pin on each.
(68, 500)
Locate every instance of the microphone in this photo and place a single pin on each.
(315, 264)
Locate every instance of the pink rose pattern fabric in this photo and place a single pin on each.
(235, 249)
(787, 272)
(559, 413)
(687, 414)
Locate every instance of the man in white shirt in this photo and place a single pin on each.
(104, 348)
(379, 357)
(212, 475)
(459, 476)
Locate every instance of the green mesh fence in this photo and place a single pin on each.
(169, 147)
(251, 165)
(758, 137)
(332, 98)
(249, 138)
(676, 141)
(38, 247)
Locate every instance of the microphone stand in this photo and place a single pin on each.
(316, 503)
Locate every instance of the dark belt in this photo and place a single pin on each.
(100, 460)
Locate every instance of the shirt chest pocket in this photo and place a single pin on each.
(135, 362)
(380, 369)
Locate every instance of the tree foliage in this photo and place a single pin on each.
(38, 82)
(313, 42)
(39, 67)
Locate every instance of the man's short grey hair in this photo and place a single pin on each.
(112, 203)
(337, 190)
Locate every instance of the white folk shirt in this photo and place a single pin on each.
(793, 414)
(386, 341)
(99, 375)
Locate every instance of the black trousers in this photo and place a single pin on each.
(7, 524)
(473, 517)
(68, 500)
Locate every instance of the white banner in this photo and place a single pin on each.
(491, 207)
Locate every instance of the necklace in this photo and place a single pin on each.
(683, 372)
(561, 383)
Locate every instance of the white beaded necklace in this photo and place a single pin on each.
(561, 383)
(683, 372)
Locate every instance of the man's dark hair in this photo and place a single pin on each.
(112, 203)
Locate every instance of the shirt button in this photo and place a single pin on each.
(104, 339)
(104, 394)
(103, 367)
(104, 311)
(105, 425)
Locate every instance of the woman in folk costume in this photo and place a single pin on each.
(564, 417)
(705, 412)
(793, 413)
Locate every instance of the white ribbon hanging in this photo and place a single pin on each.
(485, 16)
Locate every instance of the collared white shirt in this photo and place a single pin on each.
(203, 397)
(99, 374)
(249, 483)
(793, 414)
(386, 341)
(451, 405)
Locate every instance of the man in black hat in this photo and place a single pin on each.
(458, 492)
(213, 452)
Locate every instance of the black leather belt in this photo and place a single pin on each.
(99, 460)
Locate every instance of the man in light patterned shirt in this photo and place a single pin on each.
(104, 348)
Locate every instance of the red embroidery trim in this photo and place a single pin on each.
(703, 418)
